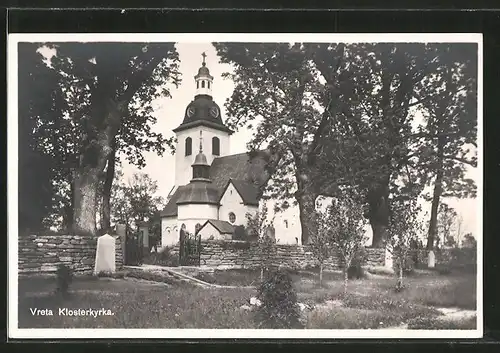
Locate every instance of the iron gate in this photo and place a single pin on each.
(133, 249)
(190, 250)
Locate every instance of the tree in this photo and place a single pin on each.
(377, 108)
(258, 225)
(447, 217)
(344, 221)
(404, 229)
(135, 201)
(450, 135)
(109, 87)
(469, 241)
(40, 104)
(277, 87)
(321, 245)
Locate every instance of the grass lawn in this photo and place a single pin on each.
(371, 303)
(135, 304)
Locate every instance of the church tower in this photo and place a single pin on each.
(202, 115)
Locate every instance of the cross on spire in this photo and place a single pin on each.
(204, 56)
(201, 139)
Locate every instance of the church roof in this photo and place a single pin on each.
(223, 227)
(203, 111)
(247, 172)
(198, 192)
(249, 192)
(242, 166)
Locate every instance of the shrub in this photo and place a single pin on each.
(279, 309)
(356, 270)
(108, 274)
(408, 266)
(64, 279)
(164, 257)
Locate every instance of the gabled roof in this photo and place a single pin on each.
(247, 167)
(223, 227)
(170, 209)
(247, 170)
(248, 192)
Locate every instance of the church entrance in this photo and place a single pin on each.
(189, 249)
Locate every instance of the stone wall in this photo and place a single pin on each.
(454, 257)
(241, 254)
(43, 253)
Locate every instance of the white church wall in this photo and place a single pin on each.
(286, 223)
(210, 232)
(169, 231)
(183, 170)
(231, 201)
(190, 215)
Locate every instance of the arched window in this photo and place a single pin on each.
(189, 146)
(197, 228)
(208, 83)
(202, 84)
(286, 223)
(197, 84)
(215, 146)
(232, 217)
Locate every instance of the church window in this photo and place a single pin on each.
(208, 83)
(197, 84)
(232, 217)
(286, 223)
(202, 84)
(215, 146)
(197, 228)
(189, 146)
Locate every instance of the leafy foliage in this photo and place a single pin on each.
(279, 309)
(135, 201)
(64, 277)
(97, 109)
(342, 222)
(405, 227)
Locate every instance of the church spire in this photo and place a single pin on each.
(203, 79)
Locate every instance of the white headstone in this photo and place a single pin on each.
(105, 254)
(388, 263)
(431, 261)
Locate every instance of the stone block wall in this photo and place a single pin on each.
(242, 254)
(43, 253)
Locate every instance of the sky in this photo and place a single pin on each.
(170, 113)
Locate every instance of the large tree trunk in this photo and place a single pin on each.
(106, 194)
(92, 163)
(307, 209)
(69, 207)
(438, 189)
(86, 184)
(378, 215)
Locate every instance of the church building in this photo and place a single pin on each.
(214, 191)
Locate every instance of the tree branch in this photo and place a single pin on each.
(136, 80)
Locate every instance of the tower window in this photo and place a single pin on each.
(189, 146)
(208, 83)
(202, 84)
(286, 223)
(215, 146)
(197, 84)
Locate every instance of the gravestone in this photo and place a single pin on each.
(105, 254)
(121, 231)
(431, 261)
(388, 261)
